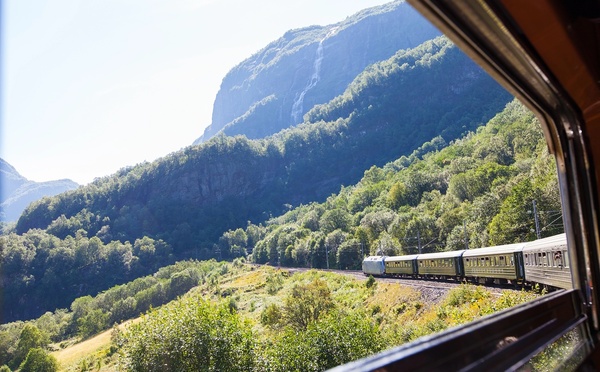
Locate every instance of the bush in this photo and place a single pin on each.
(38, 360)
(189, 335)
(371, 282)
(336, 339)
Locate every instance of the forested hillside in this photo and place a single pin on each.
(275, 87)
(484, 183)
(480, 189)
(178, 206)
(190, 197)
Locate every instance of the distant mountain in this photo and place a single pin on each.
(17, 192)
(275, 87)
(189, 198)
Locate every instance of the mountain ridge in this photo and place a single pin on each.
(17, 192)
(275, 87)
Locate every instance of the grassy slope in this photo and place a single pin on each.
(402, 312)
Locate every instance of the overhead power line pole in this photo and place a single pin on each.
(466, 237)
(537, 220)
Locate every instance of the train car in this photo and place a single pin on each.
(374, 265)
(500, 264)
(401, 265)
(440, 265)
(546, 261)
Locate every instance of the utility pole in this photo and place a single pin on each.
(327, 255)
(465, 231)
(537, 221)
(419, 240)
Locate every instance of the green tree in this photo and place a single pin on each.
(515, 222)
(307, 303)
(31, 337)
(333, 340)
(397, 196)
(333, 219)
(92, 323)
(189, 335)
(349, 255)
(38, 360)
(271, 316)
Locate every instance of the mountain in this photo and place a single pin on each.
(189, 198)
(17, 192)
(275, 87)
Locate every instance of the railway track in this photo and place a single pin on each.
(431, 290)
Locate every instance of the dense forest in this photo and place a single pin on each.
(476, 192)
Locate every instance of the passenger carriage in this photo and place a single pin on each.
(401, 265)
(440, 265)
(500, 264)
(546, 261)
(374, 265)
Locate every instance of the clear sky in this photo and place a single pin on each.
(91, 86)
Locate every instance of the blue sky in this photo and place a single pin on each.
(91, 86)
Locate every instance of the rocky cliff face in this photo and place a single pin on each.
(17, 192)
(274, 88)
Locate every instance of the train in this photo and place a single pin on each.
(544, 262)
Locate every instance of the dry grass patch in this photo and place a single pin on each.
(90, 350)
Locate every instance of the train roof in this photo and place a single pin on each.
(374, 258)
(500, 249)
(431, 256)
(551, 241)
(402, 258)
